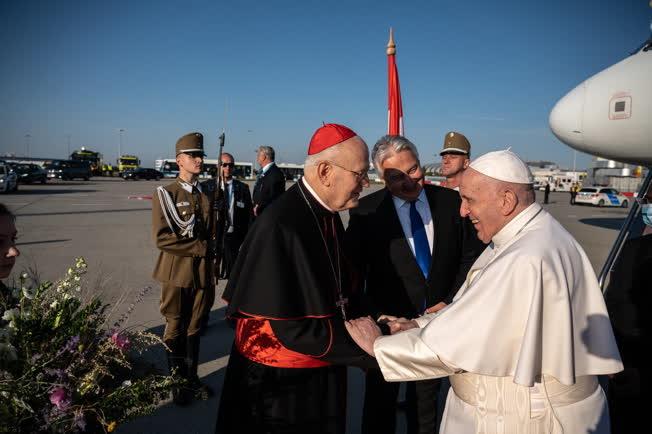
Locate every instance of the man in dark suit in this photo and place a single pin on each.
(415, 251)
(238, 218)
(270, 182)
(628, 299)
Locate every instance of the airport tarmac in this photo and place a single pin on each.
(108, 222)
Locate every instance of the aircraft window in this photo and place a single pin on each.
(620, 106)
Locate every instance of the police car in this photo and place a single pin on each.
(601, 196)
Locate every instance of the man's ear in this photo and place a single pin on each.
(466, 163)
(510, 201)
(324, 173)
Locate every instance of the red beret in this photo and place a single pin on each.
(327, 136)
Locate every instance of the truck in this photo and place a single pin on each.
(93, 158)
(127, 162)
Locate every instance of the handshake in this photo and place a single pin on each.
(364, 331)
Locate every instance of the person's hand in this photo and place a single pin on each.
(436, 308)
(384, 319)
(402, 324)
(364, 332)
(256, 210)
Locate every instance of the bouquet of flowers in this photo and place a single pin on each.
(63, 368)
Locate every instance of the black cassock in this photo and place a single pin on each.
(285, 294)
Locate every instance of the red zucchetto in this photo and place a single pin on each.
(327, 136)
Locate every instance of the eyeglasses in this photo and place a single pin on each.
(228, 164)
(643, 200)
(359, 176)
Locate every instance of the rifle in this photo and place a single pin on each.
(218, 218)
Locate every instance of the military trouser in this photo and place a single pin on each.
(184, 310)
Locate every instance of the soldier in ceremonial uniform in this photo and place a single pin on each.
(455, 158)
(180, 225)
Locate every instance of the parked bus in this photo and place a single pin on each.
(291, 171)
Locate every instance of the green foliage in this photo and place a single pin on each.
(62, 369)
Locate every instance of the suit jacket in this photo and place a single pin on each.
(242, 209)
(182, 259)
(394, 283)
(270, 186)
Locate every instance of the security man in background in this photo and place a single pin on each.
(270, 182)
(455, 158)
(180, 216)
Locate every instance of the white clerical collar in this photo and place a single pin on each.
(398, 202)
(188, 187)
(312, 192)
(511, 229)
(267, 166)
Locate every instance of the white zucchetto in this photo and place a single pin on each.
(504, 166)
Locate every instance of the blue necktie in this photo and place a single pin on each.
(421, 246)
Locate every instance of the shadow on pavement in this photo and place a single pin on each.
(99, 211)
(200, 416)
(42, 242)
(614, 223)
(45, 190)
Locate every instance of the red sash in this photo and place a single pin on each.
(255, 339)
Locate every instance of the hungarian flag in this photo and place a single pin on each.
(394, 105)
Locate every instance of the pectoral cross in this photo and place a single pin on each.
(341, 303)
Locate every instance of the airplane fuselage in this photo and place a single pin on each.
(610, 114)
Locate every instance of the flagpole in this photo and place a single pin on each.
(394, 103)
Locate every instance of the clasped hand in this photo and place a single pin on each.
(364, 331)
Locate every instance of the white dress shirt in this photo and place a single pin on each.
(403, 210)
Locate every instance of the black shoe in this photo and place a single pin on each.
(200, 390)
(182, 396)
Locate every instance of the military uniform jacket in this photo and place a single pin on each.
(182, 259)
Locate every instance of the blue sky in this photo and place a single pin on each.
(159, 69)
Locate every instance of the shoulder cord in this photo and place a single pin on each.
(170, 212)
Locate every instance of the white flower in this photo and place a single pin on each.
(8, 352)
(70, 271)
(23, 275)
(54, 304)
(66, 296)
(126, 383)
(10, 315)
(77, 278)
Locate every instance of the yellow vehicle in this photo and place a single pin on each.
(127, 162)
(93, 158)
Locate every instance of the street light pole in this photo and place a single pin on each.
(120, 146)
(68, 155)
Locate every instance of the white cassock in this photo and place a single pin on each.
(523, 340)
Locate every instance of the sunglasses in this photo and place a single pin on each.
(228, 164)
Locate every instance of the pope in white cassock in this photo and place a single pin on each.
(528, 332)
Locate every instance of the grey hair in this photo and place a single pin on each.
(327, 154)
(268, 151)
(387, 146)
